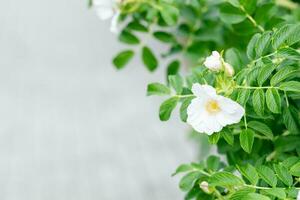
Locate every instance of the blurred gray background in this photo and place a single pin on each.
(71, 126)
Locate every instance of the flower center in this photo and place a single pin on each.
(212, 107)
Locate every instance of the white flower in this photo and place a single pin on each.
(298, 197)
(209, 112)
(213, 62)
(229, 71)
(114, 23)
(108, 9)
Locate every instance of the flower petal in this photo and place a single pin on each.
(209, 126)
(196, 111)
(213, 62)
(104, 12)
(114, 23)
(229, 105)
(231, 111)
(203, 91)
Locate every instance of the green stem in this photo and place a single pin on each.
(257, 187)
(286, 99)
(184, 96)
(263, 188)
(252, 20)
(262, 57)
(254, 87)
(219, 195)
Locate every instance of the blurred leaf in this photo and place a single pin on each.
(149, 59)
(128, 38)
(166, 108)
(158, 89)
(123, 58)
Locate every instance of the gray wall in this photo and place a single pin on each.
(71, 126)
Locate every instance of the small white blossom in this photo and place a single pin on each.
(209, 113)
(229, 71)
(298, 197)
(214, 62)
(108, 9)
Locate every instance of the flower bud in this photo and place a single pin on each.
(204, 186)
(214, 61)
(229, 71)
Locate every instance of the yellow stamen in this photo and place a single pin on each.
(212, 107)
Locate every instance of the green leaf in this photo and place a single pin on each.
(283, 74)
(188, 181)
(255, 196)
(230, 14)
(136, 26)
(170, 14)
(235, 3)
(267, 175)
(213, 163)
(275, 192)
(273, 100)
(265, 73)
(128, 38)
(288, 53)
(251, 53)
(123, 58)
(183, 108)
(247, 139)
(263, 43)
(158, 89)
(265, 12)
(289, 162)
(166, 108)
(244, 28)
(295, 169)
(149, 59)
(249, 5)
(283, 174)
(173, 67)
(243, 96)
(214, 138)
(249, 172)
(228, 136)
(189, 13)
(233, 57)
(164, 36)
(225, 179)
(240, 194)
(290, 119)
(176, 82)
(291, 86)
(286, 35)
(183, 168)
(261, 128)
(258, 100)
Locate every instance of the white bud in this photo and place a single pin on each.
(214, 61)
(204, 187)
(229, 71)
